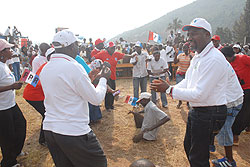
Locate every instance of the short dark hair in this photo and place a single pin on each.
(227, 51)
(142, 163)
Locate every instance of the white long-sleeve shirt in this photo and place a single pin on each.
(68, 89)
(206, 79)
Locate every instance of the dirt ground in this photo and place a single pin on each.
(116, 130)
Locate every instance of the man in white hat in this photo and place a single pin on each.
(68, 90)
(205, 87)
(140, 73)
(153, 119)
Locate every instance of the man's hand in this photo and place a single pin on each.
(93, 74)
(17, 85)
(138, 137)
(106, 72)
(159, 85)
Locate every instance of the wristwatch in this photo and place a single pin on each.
(168, 91)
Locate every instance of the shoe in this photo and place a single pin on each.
(17, 165)
(223, 162)
(165, 106)
(212, 148)
(22, 154)
(109, 110)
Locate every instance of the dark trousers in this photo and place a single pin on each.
(170, 68)
(39, 106)
(75, 151)
(12, 135)
(242, 120)
(202, 123)
(109, 98)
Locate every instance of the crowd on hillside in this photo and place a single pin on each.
(213, 78)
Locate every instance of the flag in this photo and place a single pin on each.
(29, 77)
(154, 37)
(131, 100)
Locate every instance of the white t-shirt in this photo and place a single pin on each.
(170, 54)
(163, 55)
(16, 52)
(37, 62)
(152, 115)
(9, 61)
(157, 66)
(7, 98)
(139, 70)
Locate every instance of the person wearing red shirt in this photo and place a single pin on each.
(216, 41)
(241, 65)
(35, 96)
(99, 45)
(112, 58)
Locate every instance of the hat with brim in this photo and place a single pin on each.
(198, 23)
(64, 38)
(216, 37)
(4, 44)
(237, 46)
(144, 95)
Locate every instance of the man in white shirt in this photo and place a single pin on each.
(16, 62)
(171, 37)
(68, 89)
(7, 32)
(157, 68)
(163, 52)
(170, 54)
(40, 59)
(139, 69)
(205, 87)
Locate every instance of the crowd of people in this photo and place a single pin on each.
(213, 78)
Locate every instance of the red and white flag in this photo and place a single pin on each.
(154, 37)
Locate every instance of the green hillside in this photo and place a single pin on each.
(220, 13)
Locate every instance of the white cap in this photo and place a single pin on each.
(237, 46)
(199, 23)
(144, 95)
(49, 51)
(138, 43)
(65, 38)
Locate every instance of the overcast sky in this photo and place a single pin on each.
(38, 19)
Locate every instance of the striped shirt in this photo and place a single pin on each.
(183, 64)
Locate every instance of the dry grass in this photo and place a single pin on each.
(115, 133)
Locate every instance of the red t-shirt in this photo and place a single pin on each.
(94, 52)
(32, 93)
(105, 56)
(241, 66)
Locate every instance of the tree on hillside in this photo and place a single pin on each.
(225, 34)
(241, 28)
(175, 25)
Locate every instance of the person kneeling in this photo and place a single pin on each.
(153, 118)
